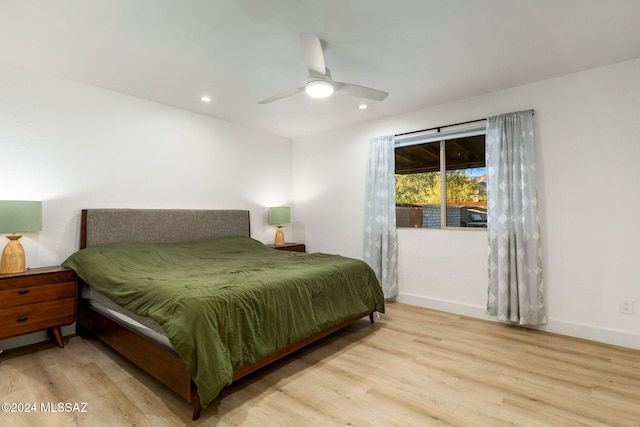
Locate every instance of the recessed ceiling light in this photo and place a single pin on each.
(205, 98)
(363, 106)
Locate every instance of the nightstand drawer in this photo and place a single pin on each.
(34, 294)
(34, 317)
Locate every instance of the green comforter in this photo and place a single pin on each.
(229, 302)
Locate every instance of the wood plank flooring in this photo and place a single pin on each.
(413, 367)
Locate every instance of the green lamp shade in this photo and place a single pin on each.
(279, 215)
(20, 216)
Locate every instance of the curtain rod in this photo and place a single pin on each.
(455, 124)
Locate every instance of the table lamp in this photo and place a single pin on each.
(278, 216)
(17, 216)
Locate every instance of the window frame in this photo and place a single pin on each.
(441, 135)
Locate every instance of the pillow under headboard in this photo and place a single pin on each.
(105, 226)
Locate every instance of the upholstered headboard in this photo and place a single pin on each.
(104, 226)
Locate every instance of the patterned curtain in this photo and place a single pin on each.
(515, 255)
(380, 238)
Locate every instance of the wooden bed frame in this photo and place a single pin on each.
(103, 226)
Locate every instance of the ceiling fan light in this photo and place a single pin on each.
(319, 88)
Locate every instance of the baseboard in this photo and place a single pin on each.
(442, 305)
(556, 326)
(589, 332)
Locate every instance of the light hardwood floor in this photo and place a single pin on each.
(413, 367)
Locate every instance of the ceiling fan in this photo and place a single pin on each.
(319, 83)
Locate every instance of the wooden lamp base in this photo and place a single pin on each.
(279, 236)
(13, 260)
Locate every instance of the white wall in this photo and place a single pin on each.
(75, 146)
(587, 155)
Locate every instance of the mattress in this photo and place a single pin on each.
(142, 325)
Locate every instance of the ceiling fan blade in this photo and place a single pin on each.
(361, 91)
(282, 95)
(313, 55)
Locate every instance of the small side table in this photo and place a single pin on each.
(291, 247)
(38, 299)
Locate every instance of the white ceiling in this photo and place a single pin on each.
(423, 52)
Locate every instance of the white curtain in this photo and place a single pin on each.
(515, 256)
(380, 237)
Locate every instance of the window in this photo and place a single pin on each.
(444, 161)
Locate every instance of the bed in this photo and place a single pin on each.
(192, 299)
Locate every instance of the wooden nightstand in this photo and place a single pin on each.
(38, 299)
(291, 247)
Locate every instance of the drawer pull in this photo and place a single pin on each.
(23, 291)
(22, 319)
